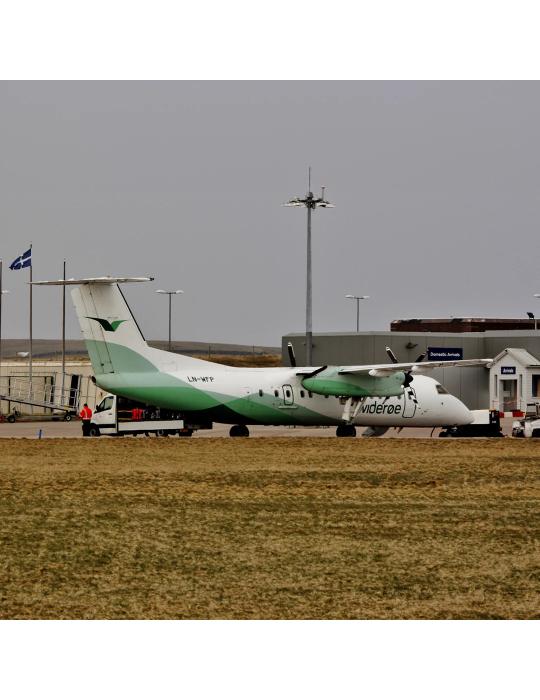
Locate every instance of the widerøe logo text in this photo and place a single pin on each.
(381, 408)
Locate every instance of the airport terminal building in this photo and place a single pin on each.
(511, 385)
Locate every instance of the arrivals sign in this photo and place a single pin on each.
(445, 354)
(508, 370)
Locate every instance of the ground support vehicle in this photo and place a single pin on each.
(486, 424)
(116, 415)
(16, 416)
(529, 425)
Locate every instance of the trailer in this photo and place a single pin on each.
(18, 416)
(116, 415)
(486, 423)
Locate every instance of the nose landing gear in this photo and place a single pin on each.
(345, 431)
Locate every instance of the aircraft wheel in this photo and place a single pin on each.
(345, 431)
(239, 431)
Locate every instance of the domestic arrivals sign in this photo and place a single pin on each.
(508, 370)
(444, 353)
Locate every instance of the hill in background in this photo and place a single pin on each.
(226, 353)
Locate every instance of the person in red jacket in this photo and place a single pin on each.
(86, 417)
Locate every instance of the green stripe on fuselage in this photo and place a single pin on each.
(138, 379)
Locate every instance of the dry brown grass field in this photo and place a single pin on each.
(269, 528)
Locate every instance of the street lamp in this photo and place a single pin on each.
(352, 296)
(163, 291)
(535, 322)
(310, 202)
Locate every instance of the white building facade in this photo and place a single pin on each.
(515, 382)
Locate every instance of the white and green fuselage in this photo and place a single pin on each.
(125, 365)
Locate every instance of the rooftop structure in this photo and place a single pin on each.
(461, 325)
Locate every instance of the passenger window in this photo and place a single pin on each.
(440, 389)
(302, 394)
(260, 392)
(310, 394)
(276, 392)
(287, 393)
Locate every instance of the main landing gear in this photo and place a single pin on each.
(345, 431)
(239, 431)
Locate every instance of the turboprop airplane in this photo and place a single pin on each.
(379, 395)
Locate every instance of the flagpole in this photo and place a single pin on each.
(30, 355)
(1, 295)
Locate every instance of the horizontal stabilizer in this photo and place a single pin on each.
(95, 280)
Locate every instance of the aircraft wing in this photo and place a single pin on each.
(391, 368)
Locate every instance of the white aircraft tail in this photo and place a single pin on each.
(113, 338)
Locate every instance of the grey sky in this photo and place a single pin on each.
(436, 187)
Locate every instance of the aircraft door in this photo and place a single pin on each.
(283, 396)
(288, 395)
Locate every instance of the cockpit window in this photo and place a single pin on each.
(440, 389)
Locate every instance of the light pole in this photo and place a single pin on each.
(353, 296)
(2, 291)
(163, 291)
(537, 296)
(310, 202)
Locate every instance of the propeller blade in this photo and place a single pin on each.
(391, 355)
(420, 358)
(292, 356)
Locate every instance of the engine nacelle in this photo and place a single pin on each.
(330, 382)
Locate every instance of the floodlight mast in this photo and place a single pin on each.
(310, 202)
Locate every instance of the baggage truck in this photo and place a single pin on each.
(115, 415)
(486, 424)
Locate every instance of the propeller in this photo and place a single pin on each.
(408, 375)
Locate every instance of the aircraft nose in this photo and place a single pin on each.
(460, 413)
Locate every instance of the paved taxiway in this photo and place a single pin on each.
(61, 429)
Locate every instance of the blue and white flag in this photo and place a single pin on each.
(24, 260)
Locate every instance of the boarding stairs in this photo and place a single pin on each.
(36, 392)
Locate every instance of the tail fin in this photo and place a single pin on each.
(113, 338)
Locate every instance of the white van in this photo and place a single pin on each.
(115, 415)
